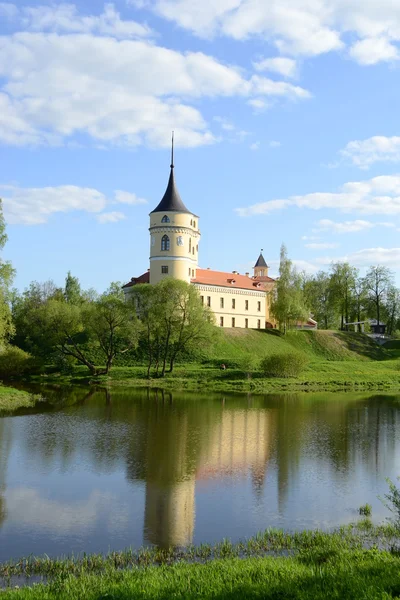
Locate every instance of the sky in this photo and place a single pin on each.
(286, 125)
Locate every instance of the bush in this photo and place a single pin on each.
(14, 362)
(283, 365)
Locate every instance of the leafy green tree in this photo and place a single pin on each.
(392, 309)
(6, 276)
(319, 299)
(112, 324)
(288, 305)
(360, 300)
(174, 322)
(378, 281)
(343, 278)
(72, 290)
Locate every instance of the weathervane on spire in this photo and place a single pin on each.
(172, 152)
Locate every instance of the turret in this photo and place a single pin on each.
(174, 236)
(261, 267)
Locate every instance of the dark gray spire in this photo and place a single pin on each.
(261, 261)
(171, 201)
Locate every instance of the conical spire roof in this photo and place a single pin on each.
(171, 201)
(261, 261)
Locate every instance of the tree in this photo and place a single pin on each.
(360, 299)
(319, 299)
(174, 322)
(72, 290)
(377, 283)
(6, 276)
(343, 277)
(392, 309)
(288, 305)
(112, 323)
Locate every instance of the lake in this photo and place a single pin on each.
(109, 470)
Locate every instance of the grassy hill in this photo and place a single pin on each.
(234, 345)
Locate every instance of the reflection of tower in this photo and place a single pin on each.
(174, 236)
(169, 514)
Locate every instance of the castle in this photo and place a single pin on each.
(236, 300)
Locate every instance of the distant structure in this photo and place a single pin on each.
(237, 300)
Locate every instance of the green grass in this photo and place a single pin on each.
(336, 361)
(12, 399)
(310, 564)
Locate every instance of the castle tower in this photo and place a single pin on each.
(261, 267)
(174, 236)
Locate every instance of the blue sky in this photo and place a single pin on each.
(286, 127)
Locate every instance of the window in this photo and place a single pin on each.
(164, 270)
(192, 272)
(194, 224)
(202, 299)
(208, 300)
(221, 303)
(165, 219)
(197, 248)
(165, 243)
(246, 305)
(189, 271)
(258, 324)
(262, 273)
(233, 303)
(221, 321)
(258, 306)
(193, 250)
(246, 323)
(190, 244)
(191, 221)
(233, 321)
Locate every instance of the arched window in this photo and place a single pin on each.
(165, 243)
(165, 219)
(190, 244)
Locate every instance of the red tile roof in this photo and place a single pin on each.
(226, 279)
(145, 278)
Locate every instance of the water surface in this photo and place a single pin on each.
(111, 470)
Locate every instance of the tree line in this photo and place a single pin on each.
(335, 297)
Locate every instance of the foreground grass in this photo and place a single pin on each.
(316, 565)
(12, 399)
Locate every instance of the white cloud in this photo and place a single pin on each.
(275, 144)
(35, 206)
(373, 50)
(295, 27)
(8, 10)
(258, 104)
(310, 237)
(320, 246)
(124, 92)
(284, 66)
(364, 153)
(389, 257)
(65, 17)
(110, 217)
(345, 227)
(380, 195)
(122, 197)
(255, 146)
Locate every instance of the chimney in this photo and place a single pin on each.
(208, 268)
(235, 272)
(247, 274)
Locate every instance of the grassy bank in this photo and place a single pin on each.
(271, 565)
(336, 361)
(12, 399)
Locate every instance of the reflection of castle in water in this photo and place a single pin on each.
(238, 442)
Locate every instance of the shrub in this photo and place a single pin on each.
(392, 501)
(283, 365)
(365, 510)
(14, 362)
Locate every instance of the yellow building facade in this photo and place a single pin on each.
(236, 300)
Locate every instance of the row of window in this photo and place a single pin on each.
(166, 219)
(166, 244)
(222, 303)
(246, 322)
